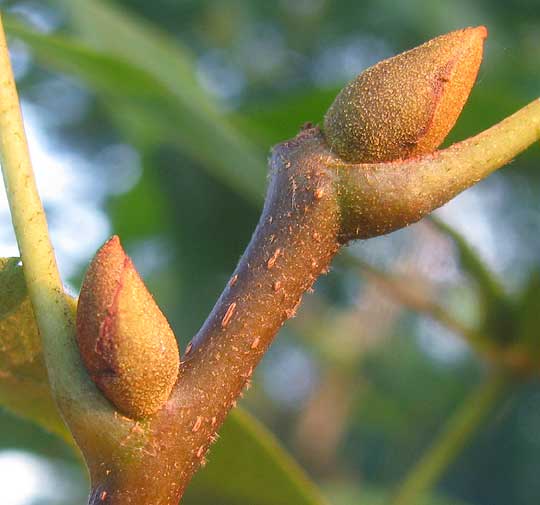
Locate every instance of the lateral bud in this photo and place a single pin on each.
(405, 106)
(124, 339)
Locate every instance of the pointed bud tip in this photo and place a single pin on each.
(124, 339)
(479, 31)
(114, 241)
(406, 105)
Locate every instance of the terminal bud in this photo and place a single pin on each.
(405, 106)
